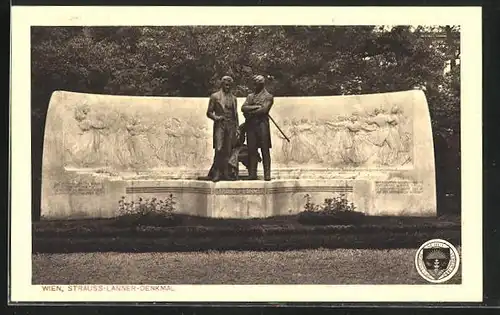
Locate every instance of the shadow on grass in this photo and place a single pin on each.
(191, 233)
(189, 220)
(190, 226)
(387, 240)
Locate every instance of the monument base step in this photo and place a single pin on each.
(100, 198)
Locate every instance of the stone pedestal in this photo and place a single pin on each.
(93, 196)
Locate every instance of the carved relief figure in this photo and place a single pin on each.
(137, 144)
(354, 146)
(165, 142)
(302, 147)
(173, 143)
(194, 140)
(91, 141)
(285, 146)
(393, 143)
(360, 140)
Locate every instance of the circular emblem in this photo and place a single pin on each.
(437, 261)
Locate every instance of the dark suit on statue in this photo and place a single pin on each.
(258, 131)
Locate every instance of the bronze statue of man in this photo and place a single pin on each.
(223, 110)
(256, 109)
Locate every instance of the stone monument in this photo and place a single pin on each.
(376, 149)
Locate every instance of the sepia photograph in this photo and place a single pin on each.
(256, 154)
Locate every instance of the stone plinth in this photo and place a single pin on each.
(242, 199)
(376, 149)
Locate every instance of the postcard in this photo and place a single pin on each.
(246, 154)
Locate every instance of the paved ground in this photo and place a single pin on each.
(340, 266)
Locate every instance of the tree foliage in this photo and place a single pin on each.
(302, 60)
(299, 60)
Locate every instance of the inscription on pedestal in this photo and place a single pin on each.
(79, 188)
(398, 187)
(166, 190)
(237, 191)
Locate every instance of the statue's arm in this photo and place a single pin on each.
(236, 118)
(247, 108)
(265, 108)
(211, 109)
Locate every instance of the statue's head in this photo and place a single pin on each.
(226, 83)
(259, 81)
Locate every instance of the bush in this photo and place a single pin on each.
(148, 212)
(334, 211)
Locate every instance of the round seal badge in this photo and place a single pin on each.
(437, 261)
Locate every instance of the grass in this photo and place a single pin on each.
(318, 266)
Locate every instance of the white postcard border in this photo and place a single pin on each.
(469, 18)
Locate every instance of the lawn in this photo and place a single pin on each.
(317, 266)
